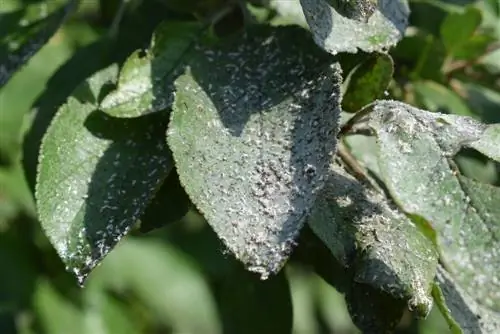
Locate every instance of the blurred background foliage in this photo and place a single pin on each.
(178, 279)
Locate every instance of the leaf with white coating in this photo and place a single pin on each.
(145, 84)
(337, 33)
(97, 175)
(415, 148)
(381, 246)
(252, 132)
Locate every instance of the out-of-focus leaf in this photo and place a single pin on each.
(169, 205)
(368, 82)
(475, 47)
(249, 305)
(145, 84)
(336, 33)
(438, 98)
(166, 281)
(463, 313)
(415, 152)
(483, 101)
(24, 32)
(252, 131)
(458, 28)
(388, 255)
(96, 175)
(97, 313)
(13, 185)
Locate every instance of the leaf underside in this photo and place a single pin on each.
(415, 152)
(385, 251)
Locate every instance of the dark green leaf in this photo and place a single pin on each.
(145, 84)
(249, 305)
(461, 311)
(252, 131)
(373, 310)
(383, 248)
(336, 33)
(24, 32)
(169, 205)
(368, 82)
(415, 152)
(458, 28)
(97, 175)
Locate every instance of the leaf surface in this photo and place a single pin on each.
(336, 33)
(415, 152)
(252, 130)
(96, 175)
(146, 80)
(390, 259)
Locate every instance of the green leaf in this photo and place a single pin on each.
(249, 305)
(97, 313)
(336, 33)
(461, 311)
(145, 84)
(252, 131)
(96, 175)
(169, 205)
(489, 142)
(368, 82)
(438, 98)
(24, 32)
(458, 28)
(415, 152)
(388, 256)
(165, 280)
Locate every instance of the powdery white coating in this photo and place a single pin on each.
(96, 176)
(489, 143)
(336, 33)
(472, 317)
(382, 247)
(20, 51)
(415, 149)
(252, 130)
(145, 84)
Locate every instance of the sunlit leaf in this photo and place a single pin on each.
(252, 131)
(336, 33)
(415, 152)
(96, 175)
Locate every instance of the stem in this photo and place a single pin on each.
(115, 25)
(354, 119)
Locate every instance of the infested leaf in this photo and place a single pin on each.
(337, 33)
(389, 258)
(96, 175)
(463, 313)
(145, 84)
(252, 131)
(415, 149)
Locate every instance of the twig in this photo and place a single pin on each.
(115, 25)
